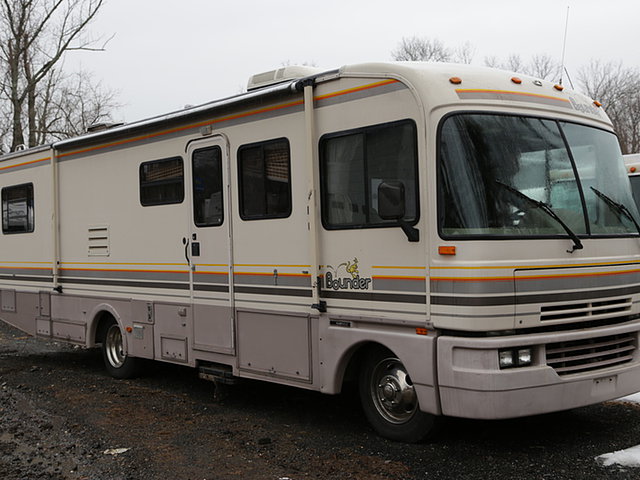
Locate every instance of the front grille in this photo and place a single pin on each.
(579, 356)
(585, 310)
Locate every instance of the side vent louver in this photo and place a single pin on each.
(98, 240)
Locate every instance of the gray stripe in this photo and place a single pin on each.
(132, 275)
(121, 283)
(369, 92)
(290, 292)
(280, 280)
(27, 278)
(399, 285)
(216, 124)
(373, 297)
(25, 167)
(576, 283)
(510, 97)
(471, 287)
(209, 278)
(6, 272)
(506, 286)
(190, 131)
(472, 301)
(211, 288)
(529, 299)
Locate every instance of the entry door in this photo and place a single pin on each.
(208, 245)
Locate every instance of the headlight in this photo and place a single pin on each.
(513, 358)
(524, 357)
(505, 358)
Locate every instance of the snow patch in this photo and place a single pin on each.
(625, 458)
(635, 398)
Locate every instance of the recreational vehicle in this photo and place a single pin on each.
(460, 241)
(632, 162)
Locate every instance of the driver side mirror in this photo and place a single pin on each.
(392, 206)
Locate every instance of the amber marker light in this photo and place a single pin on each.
(516, 80)
(447, 250)
(421, 331)
(558, 87)
(455, 80)
(129, 329)
(597, 103)
(632, 169)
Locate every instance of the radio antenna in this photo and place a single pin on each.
(564, 45)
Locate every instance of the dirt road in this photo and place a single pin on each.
(62, 417)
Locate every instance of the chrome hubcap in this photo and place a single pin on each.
(114, 347)
(392, 391)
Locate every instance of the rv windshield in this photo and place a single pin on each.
(492, 166)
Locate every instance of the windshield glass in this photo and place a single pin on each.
(497, 170)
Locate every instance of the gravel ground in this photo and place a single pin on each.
(62, 417)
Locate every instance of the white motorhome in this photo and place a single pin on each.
(632, 162)
(452, 237)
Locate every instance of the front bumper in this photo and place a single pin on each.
(471, 384)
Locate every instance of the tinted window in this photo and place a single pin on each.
(162, 182)
(507, 175)
(207, 187)
(265, 180)
(355, 163)
(17, 209)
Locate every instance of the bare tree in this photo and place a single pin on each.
(70, 104)
(34, 36)
(543, 66)
(464, 53)
(416, 49)
(618, 89)
(540, 66)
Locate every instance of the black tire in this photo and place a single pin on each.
(389, 400)
(116, 360)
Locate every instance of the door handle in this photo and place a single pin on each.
(185, 242)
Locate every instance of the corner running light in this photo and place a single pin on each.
(514, 358)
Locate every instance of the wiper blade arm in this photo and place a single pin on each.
(619, 207)
(577, 244)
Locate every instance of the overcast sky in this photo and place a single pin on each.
(167, 54)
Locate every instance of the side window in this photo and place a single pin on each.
(207, 187)
(162, 182)
(17, 209)
(264, 170)
(353, 164)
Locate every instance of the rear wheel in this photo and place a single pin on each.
(389, 399)
(117, 362)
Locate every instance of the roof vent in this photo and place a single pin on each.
(273, 77)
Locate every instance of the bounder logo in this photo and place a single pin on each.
(351, 280)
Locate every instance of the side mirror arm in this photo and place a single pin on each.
(412, 233)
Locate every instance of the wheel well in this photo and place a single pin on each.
(354, 363)
(103, 321)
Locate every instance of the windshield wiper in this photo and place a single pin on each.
(618, 207)
(577, 244)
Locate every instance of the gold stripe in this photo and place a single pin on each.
(509, 92)
(226, 118)
(25, 163)
(571, 265)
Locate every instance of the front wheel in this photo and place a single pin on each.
(117, 362)
(389, 399)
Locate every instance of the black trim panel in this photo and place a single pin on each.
(23, 278)
(211, 288)
(374, 297)
(288, 292)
